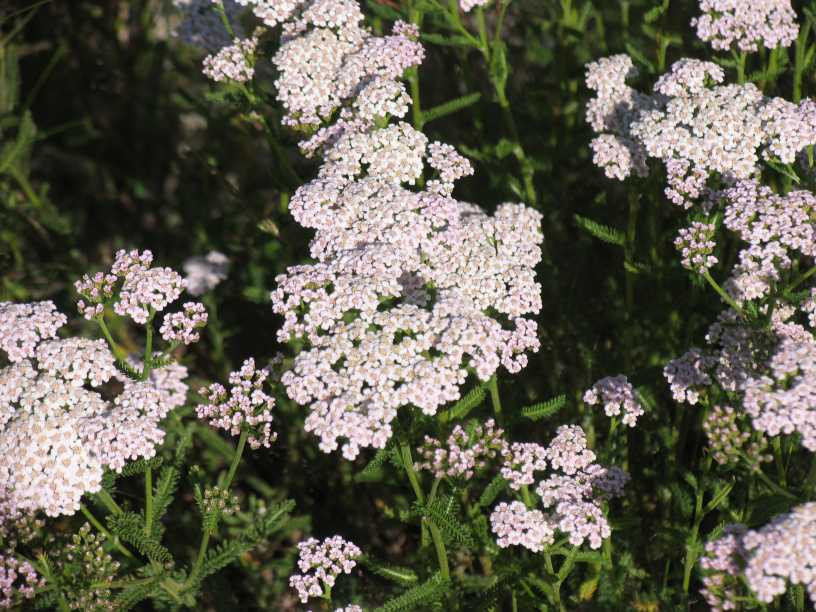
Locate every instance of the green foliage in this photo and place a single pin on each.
(130, 528)
(544, 410)
(430, 591)
(600, 231)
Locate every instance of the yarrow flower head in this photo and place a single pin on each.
(321, 562)
(24, 326)
(521, 461)
(687, 375)
(246, 407)
(515, 525)
(721, 563)
(205, 273)
(235, 62)
(617, 396)
(746, 24)
(18, 581)
(729, 440)
(467, 452)
(183, 327)
(696, 245)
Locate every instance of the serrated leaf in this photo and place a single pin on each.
(450, 107)
(471, 400)
(492, 491)
(603, 232)
(543, 410)
(429, 591)
(394, 573)
(140, 466)
(373, 471)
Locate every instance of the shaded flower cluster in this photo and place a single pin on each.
(18, 581)
(466, 452)
(205, 273)
(617, 396)
(572, 493)
(321, 562)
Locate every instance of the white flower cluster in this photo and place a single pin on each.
(695, 126)
(245, 406)
(781, 552)
(235, 62)
(184, 327)
(320, 563)
(696, 245)
(746, 24)
(410, 288)
(24, 326)
(205, 273)
(572, 492)
(467, 451)
(617, 396)
(58, 435)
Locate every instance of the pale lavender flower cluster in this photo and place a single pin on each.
(18, 580)
(618, 398)
(184, 327)
(781, 552)
(696, 245)
(521, 461)
(235, 62)
(466, 452)
(205, 273)
(688, 375)
(321, 562)
(245, 407)
(24, 326)
(572, 492)
(746, 23)
(695, 126)
(56, 430)
(401, 299)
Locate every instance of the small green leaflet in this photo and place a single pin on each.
(543, 410)
(603, 232)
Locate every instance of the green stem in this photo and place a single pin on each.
(775, 487)
(101, 529)
(727, 298)
(691, 545)
(117, 350)
(495, 399)
(148, 500)
(441, 553)
(525, 495)
(740, 59)
(408, 463)
(776, 444)
(801, 279)
(148, 354)
(106, 500)
(45, 570)
(205, 538)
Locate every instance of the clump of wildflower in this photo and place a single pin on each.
(320, 563)
(235, 62)
(727, 440)
(205, 273)
(617, 396)
(722, 562)
(696, 245)
(184, 327)
(687, 374)
(87, 571)
(516, 525)
(18, 581)
(24, 326)
(244, 408)
(467, 451)
(688, 77)
(746, 24)
(521, 461)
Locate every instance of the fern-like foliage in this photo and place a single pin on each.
(141, 466)
(600, 231)
(492, 491)
(421, 595)
(401, 575)
(130, 528)
(443, 512)
(135, 592)
(223, 555)
(373, 471)
(163, 496)
(544, 410)
(471, 400)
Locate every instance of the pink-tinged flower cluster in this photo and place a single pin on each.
(411, 288)
(697, 127)
(184, 327)
(235, 62)
(467, 451)
(205, 273)
(696, 244)
(516, 525)
(521, 461)
(59, 434)
(729, 439)
(18, 581)
(783, 400)
(136, 289)
(688, 375)
(24, 326)
(245, 407)
(768, 558)
(745, 24)
(617, 396)
(572, 493)
(721, 563)
(321, 562)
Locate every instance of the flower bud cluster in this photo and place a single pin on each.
(245, 407)
(617, 396)
(467, 452)
(728, 441)
(320, 562)
(88, 571)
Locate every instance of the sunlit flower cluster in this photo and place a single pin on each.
(617, 396)
(746, 24)
(466, 452)
(320, 563)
